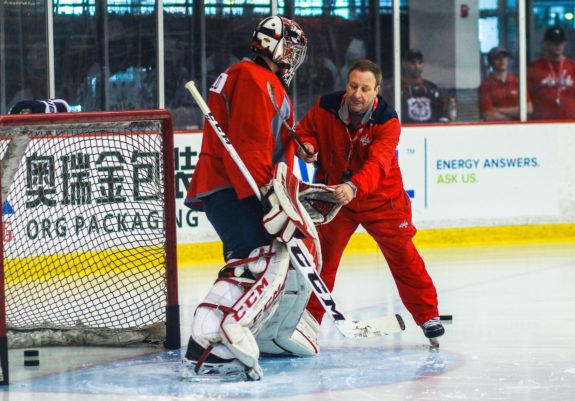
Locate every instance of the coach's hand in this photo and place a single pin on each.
(344, 193)
(308, 157)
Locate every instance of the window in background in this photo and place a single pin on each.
(23, 64)
(237, 7)
(383, 47)
(200, 42)
(488, 33)
(444, 59)
(183, 61)
(550, 56)
(105, 57)
(183, 7)
(339, 33)
(499, 92)
(71, 7)
(440, 61)
(489, 4)
(78, 76)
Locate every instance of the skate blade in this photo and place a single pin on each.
(193, 377)
(214, 378)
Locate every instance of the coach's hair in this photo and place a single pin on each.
(366, 65)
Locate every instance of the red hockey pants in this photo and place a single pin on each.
(390, 226)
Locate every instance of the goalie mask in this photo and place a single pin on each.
(283, 42)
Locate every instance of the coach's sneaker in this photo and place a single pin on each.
(433, 328)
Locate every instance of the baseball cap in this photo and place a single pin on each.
(413, 54)
(554, 34)
(497, 51)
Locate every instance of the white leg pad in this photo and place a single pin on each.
(291, 330)
(235, 309)
(242, 344)
(256, 306)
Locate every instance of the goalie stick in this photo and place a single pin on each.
(291, 130)
(300, 256)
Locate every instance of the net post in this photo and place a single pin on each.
(3, 329)
(173, 340)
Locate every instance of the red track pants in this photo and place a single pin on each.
(390, 226)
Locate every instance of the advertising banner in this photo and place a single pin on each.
(479, 172)
(475, 173)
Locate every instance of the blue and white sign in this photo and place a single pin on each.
(480, 172)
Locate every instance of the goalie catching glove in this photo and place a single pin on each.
(319, 202)
(286, 209)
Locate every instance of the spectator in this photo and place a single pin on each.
(355, 134)
(551, 78)
(499, 92)
(421, 100)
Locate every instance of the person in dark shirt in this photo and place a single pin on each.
(421, 100)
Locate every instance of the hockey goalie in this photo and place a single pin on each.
(257, 304)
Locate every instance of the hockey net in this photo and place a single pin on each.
(88, 229)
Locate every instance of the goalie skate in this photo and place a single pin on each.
(218, 372)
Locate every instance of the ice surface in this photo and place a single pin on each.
(510, 340)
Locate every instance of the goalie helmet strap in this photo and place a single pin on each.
(241, 267)
(233, 280)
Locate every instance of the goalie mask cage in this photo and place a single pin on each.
(88, 250)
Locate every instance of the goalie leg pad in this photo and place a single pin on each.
(240, 302)
(256, 306)
(287, 333)
(304, 341)
(291, 330)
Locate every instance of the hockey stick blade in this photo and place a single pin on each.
(291, 130)
(377, 327)
(298, 253)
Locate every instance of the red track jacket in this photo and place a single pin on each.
(381, 205)
(369, 151)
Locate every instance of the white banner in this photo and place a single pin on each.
(456, 175)
(191, 226)
(480, 172)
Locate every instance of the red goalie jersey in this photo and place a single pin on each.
(240, 102)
